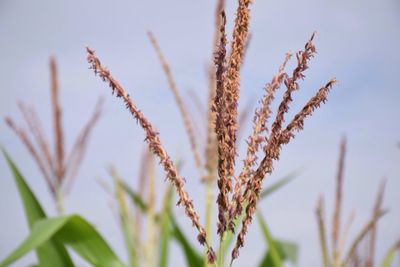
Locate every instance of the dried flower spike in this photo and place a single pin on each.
(59, 138)
(256, 139)
(57, 172)
(336, 219)
(220, 107)
(154, 143)
(187, 122)
(278, 137)
(232, 85)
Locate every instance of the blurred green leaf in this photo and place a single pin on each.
(70, 230)
(50, 253)
(279, 184)
(165, 227)
(229, 237)
(125, 222)
(272, 258)
(135, 197)
(193, 258)
(287, 250)
(137, 200)
(277, 249)
(388, 260)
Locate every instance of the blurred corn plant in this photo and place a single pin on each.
(359, 252)
(50, 237)
(149, 245)
(58, 169)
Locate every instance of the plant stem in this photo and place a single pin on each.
(125, 220)
(59, 199)
(221, 251)
(208, 223)
(322, 233)
(151, 238)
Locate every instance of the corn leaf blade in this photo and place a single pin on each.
(272, 258)
(50, 253)
(278, 185)
(137, 200)
(193, 258)
(70, 230)
(388, 260)
(165, 228)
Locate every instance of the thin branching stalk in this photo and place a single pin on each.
(156, 147)
(256, 139)
(57, 123)
(346, 231)
(297, 123)
(320, 213)
(372, 236)
(187, 122)
(35, 127)
(361, 235)
(336, 224)
(21, 133)
(292, 85)
(79, 148)
(279, 137)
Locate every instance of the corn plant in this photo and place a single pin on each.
(361, 250)
(239, 191)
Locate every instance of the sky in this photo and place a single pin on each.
(357, 42)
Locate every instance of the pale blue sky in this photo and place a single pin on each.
(357, 42)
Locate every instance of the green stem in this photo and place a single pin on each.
(208, 224)
(221, 251)
(125, 221)
(59, 202)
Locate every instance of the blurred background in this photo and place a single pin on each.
(357, 42)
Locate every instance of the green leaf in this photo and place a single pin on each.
(137, 200)
(70, 230)
(229, 237)
(277, 249)
(388, 260)
(135, 197)
(50, 253)
(125, 222)
(193, 258)
(279, 184)
(287, 250)
(165, 227)
(272, 258)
